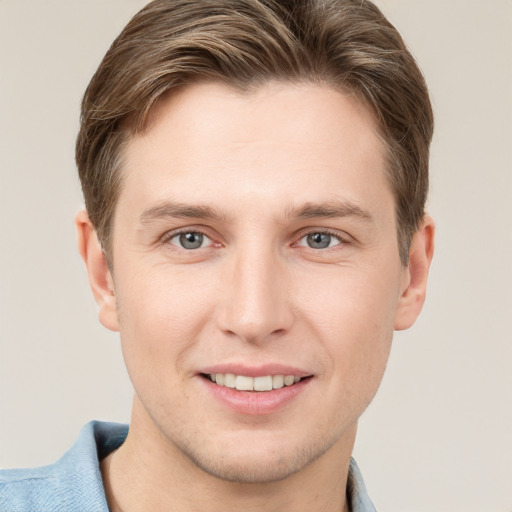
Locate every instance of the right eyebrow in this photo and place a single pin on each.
(171, 209)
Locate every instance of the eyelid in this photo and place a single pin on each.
(169, 235)
(343, 237)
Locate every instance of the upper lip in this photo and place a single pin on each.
(256, 370)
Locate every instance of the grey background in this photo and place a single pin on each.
(438, 437)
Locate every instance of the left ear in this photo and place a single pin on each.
(415, 275)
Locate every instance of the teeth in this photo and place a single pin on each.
(289, 380)
(229, 380)
(263, 383)
(243, 383)
(277, 381)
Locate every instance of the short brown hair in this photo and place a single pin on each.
(347, 44)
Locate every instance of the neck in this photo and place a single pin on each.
(151, 474)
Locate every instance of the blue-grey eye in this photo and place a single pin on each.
(321, 240)
(189, 240)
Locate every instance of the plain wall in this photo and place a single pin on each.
(438, 437)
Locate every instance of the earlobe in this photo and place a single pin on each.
(100, 278)
(415, 275)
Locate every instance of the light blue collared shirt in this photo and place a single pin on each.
(73, 483)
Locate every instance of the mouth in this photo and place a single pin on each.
(260, 384)
(252, 391)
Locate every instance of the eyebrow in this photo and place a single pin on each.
(171, 209)
(330, 210)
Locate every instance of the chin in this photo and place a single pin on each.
(254, 463)
(245, 469)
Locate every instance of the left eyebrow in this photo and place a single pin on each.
(330, 210)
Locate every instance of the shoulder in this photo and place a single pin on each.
(73, 483)
(29, 489)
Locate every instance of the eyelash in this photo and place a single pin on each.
(166, 239)
(341, 240)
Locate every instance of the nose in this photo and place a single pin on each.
(255, 303)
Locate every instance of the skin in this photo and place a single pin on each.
(274, 165)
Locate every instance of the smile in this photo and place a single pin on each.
(245, 383)
(256, 391)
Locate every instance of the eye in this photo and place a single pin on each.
(320, 240)
(190, 240)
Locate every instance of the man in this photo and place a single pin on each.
(255, 176)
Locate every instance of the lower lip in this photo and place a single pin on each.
(256, 402)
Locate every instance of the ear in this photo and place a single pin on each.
(100, 278)
(415, 275)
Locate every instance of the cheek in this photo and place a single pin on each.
(354, 316)
(359, 301)
(161, 315)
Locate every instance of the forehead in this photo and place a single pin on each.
(299, 142)
(284, 111)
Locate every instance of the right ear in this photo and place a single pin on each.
(100, 278)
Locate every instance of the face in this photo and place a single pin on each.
(255, 245)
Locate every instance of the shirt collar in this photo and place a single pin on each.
(358, 498)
